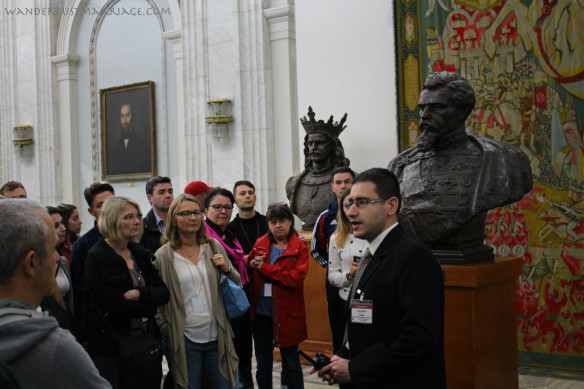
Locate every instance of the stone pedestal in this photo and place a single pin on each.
(480, 334)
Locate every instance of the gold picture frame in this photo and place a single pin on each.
(128, 135)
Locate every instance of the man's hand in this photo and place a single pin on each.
(337, 372)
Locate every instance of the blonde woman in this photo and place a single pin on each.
(125, 290)
(344, 252)
(194, 321)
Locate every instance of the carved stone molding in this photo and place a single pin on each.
(94, 91)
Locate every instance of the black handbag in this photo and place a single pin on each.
(141, 356)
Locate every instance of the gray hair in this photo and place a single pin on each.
(21, 231)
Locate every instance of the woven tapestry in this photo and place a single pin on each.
(525, 61)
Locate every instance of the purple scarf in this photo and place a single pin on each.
(236, 255)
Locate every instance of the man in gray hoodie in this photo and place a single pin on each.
(39, 353)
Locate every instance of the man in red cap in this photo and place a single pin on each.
(198, 189)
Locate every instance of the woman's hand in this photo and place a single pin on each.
(257, 262)
(220, 262)
(132, 294)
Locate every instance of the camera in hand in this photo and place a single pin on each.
(356, 258)
(320, 360)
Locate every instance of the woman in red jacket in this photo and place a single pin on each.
(279, 261)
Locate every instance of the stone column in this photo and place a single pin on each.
(284, 94)
(66, 68)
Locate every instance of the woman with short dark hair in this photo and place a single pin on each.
(279, 261)
(218, 209)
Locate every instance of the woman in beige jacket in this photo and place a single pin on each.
(194, 320)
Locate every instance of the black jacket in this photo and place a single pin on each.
(151, 237)
(108, 278)
(404, 346)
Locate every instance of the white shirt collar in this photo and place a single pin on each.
(374, 245)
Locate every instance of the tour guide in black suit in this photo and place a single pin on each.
(397, 341)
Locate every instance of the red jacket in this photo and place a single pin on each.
(287, 276)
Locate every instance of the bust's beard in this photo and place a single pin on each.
(427, 140)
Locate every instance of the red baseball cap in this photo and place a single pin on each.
(197, 187)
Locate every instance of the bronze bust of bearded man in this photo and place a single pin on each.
(310, 192)
(449, 180)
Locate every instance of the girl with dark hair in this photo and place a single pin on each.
(72, 222)
(218, 209)
(60, 303)
(279, 261)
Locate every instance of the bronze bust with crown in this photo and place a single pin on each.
(310, 192)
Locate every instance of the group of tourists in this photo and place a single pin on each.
(133, 279)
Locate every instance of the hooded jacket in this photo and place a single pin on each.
(41, 354)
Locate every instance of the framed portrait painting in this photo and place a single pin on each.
(128, 137)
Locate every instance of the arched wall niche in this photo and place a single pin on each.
(100, 47)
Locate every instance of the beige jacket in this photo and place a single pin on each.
(171, 317)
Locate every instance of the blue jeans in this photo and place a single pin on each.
(204, 356)
(264, 348)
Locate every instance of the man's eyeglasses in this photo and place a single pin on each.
(190, 213)
(361, 203)
(219, 207)
(131, 216)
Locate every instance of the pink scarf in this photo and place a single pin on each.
(236, 255)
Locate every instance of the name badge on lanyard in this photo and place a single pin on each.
(361, 311)
(197, 302)
(267, 289)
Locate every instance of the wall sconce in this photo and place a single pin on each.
(22, 136)
(219, 111)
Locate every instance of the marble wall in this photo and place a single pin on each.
(271, 58)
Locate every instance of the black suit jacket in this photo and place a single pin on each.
(133, 159)
(404, 346)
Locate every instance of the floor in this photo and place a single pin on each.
(525, 381)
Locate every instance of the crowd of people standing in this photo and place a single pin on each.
(134, 283)
(160, 275)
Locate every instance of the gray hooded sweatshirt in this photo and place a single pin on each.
(41, 354)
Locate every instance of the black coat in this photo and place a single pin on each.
(151, 237)
(108, 278)
(404, 346)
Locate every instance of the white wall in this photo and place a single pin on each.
(128, 49)
(346, 63)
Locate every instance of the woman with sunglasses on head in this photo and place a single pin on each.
(218, 210)
(194, 320)
(72, 222)
(125, 290)
(279, 261)
(345, 251)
